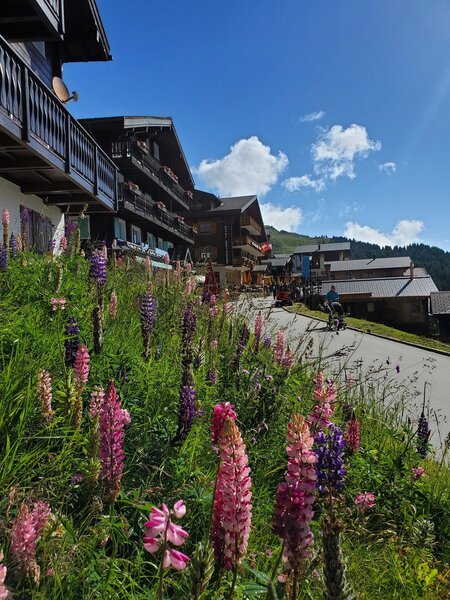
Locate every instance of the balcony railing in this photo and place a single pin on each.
(246, 240)
(129, 148)
(148, 207)
(30, 112)
(248, 222)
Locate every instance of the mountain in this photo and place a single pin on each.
(435, 260)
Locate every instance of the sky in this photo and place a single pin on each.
(336, 114)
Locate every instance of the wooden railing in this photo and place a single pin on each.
(130, 148)
(248, 221)
(246, 240)
(31, 112)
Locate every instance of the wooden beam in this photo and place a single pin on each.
(11, 165)
(59, 187)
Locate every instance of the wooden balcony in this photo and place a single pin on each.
(143, 210)
(249, 224)
(43, 149)
(28, 20)
(248, 244)
(139, 166)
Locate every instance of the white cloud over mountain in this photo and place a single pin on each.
(313, 116)
(281, 218)
(249, 168)
(405, 232)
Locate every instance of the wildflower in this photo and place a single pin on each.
(63, 243)
(279, 347)
(5, 222)
(69, 228)
(287, 361)
(214, 344)
(25, 533)
(187, 408)
(13, 246)
(188, 267)
(148, 310)
(81, 367)
(97, 398)
(293, 510)
(352, 434)
(417, 472)
(325, 392)
(97, 271)
(232, 510)
(71, 343)
(221, 412)
(267, 342)
(4, 592)
(166, 259)
(213, 312)
(364, 501)
(3, 258)
(258, 330)
(243, 339)
(111, 424)
(77, 478)
(330, 467)
(113, 305)
(58, 304)
(212, 377)
(189, 286)
(423, 435)
(44, 392)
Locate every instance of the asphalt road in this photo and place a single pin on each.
(412, 371)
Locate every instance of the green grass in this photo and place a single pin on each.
(400, 550)
(376, 329)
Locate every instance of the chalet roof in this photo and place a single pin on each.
(85, 37)
(276, 262)
(260, 268)
(440, 303)
(386, 287)
(329, 247)
(366, 264)
(239, 203)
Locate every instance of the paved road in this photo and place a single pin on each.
(411, 369)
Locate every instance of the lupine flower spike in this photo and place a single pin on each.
(232, 509)
(279, 347)
(352, 434)
(81, 375)
(44, 392)
(4, 592)
(5, 223)
(423, 435)
(148, 309)
(113, 305)
(3, 258)
(71, 343)
(258, 331)
(364, 501)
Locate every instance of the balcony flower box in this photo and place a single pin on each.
(190, 194)
(142, 146)
(161, 205)
(132, 186)
(179, 218)
(170, 173)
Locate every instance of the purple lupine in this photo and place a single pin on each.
(267, 342)
(330, 468)
(212, 377)
(70, 227)
(148, 310)
(13, 246)
(187, 335)
(258, 330)
(187, 408)
(72, 342)
(97, 271)
(111, 436)
(25, 216)
(423, 435)
(243, 339)
(3, 258)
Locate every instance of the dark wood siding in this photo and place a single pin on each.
(46, 67)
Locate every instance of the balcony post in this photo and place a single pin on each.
(68, 145)
(96, 170)
(25, 105)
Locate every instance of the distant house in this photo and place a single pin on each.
(230, 234)
(368, 267)
(440, 309)
(319, 254)
(280, 265)
(398, 301)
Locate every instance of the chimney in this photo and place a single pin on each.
(411, 270)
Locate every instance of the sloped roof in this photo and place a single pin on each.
(386, 287)
(365, 264)
(440, 303)
(330, 247)
(276, 262)
(236, 203)
(260, 268)
(418, 272)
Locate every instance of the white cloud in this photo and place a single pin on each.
(249, 168)
(293, 184)
(348, 209)
(314, 116)
(388, 167)
(281, 218)
(336, 149)
(405, 232)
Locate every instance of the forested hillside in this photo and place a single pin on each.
(435, 260)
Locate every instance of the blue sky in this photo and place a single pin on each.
(337, 114)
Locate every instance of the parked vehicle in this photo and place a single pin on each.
(283, 296)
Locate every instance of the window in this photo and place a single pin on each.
(156, 150)
(84, 225)
(151, 241)
(135, 234)
(120, 229)
(39, 230)
(206, 255)
(205, 228)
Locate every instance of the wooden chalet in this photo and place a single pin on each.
(319, 254)
(230, 234)
(48, 161)
(155, 188)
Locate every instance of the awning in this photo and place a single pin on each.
(160, 265)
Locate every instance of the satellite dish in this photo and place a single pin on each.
(61, 91)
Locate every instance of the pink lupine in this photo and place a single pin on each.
(258, 330)
(4, 592)
(214, 344)
(232, 509)
(213, 312)
(279, 347)
(288, 360)
(189, 286)
(364, 501)
(5, 222)
(97, 397)
(325, 392)
(293, 510)
(63, 244)
(220, 413)
(58, 304)
(44, 392)
(113, 305)
(177, 271)
(417, 472)
(25, 533)
(166, 259)
(81, 367)
(352, 434)
(111, 436)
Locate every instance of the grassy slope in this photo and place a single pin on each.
(94, 548)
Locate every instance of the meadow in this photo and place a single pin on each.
(155, 445)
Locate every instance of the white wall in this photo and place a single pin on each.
(11, 198)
